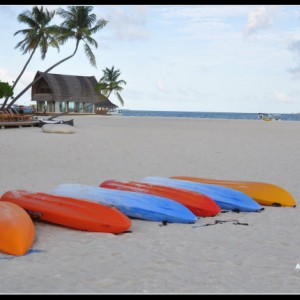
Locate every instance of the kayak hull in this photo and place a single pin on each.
(16, 229)
(132, 204)
(264, 193)
(226, 198)
(200, 205)
(70, 212)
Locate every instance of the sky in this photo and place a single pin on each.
(206, 58)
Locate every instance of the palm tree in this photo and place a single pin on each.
(78, 25)
(38, 34)
(109, 83)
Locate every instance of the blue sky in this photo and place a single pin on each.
(218, 58)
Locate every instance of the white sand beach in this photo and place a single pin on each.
(154, 259)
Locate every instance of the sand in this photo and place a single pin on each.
(154, 259)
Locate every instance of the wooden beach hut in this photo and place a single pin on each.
(58, 93)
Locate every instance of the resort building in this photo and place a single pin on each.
(57, 93)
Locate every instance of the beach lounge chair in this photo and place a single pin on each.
(15, 116)
(6, 116)
(18, 117)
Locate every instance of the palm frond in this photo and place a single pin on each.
(91, 41)
(90, 55)
(100, 24)
(38, 32)
(108, 83)
(78, 23)
(43, 47)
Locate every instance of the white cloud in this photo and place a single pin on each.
(257, 20)
(294, 46)
(160, 86)
(27, 78)
(282, 97)
(202, 12)
(128, 24)
(5, 76)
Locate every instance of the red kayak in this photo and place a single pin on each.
(66, 211)
(200, 205)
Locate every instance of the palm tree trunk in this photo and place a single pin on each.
(18, 78)
(39, 77)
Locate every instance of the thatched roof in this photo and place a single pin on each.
(58, 87)
(106, 104)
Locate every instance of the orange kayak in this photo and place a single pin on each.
(198, 204)
(66, 211)
(261, 192)
(16, 229)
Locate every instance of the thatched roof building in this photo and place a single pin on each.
(59, 93)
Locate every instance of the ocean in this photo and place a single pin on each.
(206, 115)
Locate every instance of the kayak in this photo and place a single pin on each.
(132, 204)
(16, 229)
(69, 212)
(263, 193)
(226, 198)
(199, 204)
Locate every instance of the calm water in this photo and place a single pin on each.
(209, 115)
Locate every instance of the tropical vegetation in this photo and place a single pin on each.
(37, 35)
(5, 90)
(79, 24)
(110, 82)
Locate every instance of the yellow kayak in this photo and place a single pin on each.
(263, 193)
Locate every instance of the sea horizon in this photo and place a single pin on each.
(210, 115)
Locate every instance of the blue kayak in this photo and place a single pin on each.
(226, 198)
(132, 204)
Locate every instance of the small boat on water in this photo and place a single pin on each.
(268, 117)
(45, 121)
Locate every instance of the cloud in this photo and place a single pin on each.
(128, 24)
(160, 86)
(202, 12)
(295, 72)
(259, 19)
(282, 97)
(295, 47)
(201, 21)
(27, 77)
(5, 76)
